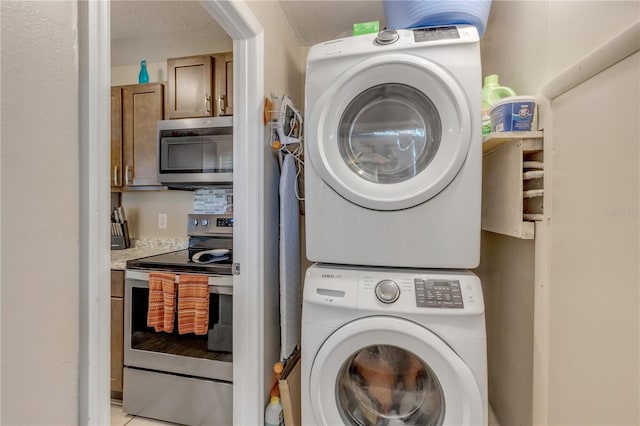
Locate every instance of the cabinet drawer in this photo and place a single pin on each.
(117, 283)
(177, 399)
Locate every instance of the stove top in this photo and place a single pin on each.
(206, 232)
(179, 261)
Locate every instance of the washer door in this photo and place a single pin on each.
(391, 132)
(388, 371)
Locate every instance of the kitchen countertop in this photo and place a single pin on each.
(144, 247)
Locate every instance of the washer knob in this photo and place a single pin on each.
(387, 37)
(387, 291)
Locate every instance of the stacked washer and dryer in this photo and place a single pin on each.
(393, 328)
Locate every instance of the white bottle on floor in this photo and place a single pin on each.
(273, 413)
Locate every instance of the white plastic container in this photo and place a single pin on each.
(273, 415)
(513, 114)
(402, 14)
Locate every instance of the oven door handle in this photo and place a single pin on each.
(220, 284)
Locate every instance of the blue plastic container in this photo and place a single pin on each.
(402, 14)
(513, 114)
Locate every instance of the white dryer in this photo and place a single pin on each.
(393, 347)
(393, 149)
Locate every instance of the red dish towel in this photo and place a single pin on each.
(193, 304)
(162, 301)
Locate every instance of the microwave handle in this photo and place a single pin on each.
(207, 103)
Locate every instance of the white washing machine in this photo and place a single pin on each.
(393, 149)
(393, 347)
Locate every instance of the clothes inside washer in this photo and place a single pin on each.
(385, 385)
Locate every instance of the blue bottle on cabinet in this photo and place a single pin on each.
(143, 77)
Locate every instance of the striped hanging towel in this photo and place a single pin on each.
(162, 298)
(193, 304)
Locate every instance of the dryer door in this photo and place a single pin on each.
(387, 371)
(391, 132)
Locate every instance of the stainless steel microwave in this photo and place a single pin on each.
(195, 151)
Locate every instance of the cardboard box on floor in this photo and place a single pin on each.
(289, 385)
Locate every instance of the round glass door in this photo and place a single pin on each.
(384, 370)
(389, 133)
(384, 384)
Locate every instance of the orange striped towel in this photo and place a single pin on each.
(193, 304)
(162, 301)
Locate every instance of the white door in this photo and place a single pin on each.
(388, 371)
(391, 132)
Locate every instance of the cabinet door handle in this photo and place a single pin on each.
(222, 104)
(127, 175)
(207, 104)
(115, 175)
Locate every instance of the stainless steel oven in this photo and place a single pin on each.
(182, 378)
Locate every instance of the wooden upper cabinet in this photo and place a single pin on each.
(116, 138)
(191, 87)
(198, 86)
(224, 83)
(142, 107)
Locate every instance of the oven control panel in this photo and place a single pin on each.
(224, 222)
(209, 224)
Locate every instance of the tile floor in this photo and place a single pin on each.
(119, 418)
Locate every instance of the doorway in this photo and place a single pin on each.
(237, 19)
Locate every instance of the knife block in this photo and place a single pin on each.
(122, 241)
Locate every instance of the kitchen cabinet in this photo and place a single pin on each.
(224, 82)
(135, 109)
(117, 332)
(200, 86)
(116, 138)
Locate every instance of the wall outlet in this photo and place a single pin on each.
(162, 220)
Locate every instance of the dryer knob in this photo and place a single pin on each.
(387, 291)
(387, 37)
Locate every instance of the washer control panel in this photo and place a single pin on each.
(436, 293)
(387, 291)
(387, 37)
(394, 290)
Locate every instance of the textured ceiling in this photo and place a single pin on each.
(146, 19)
(316, 21)
(312, 21)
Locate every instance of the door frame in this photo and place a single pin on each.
(94, 47)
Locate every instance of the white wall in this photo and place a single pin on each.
(143, 207)
(528, 43)
(40, 213)
(594, 280)
(284, 62)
